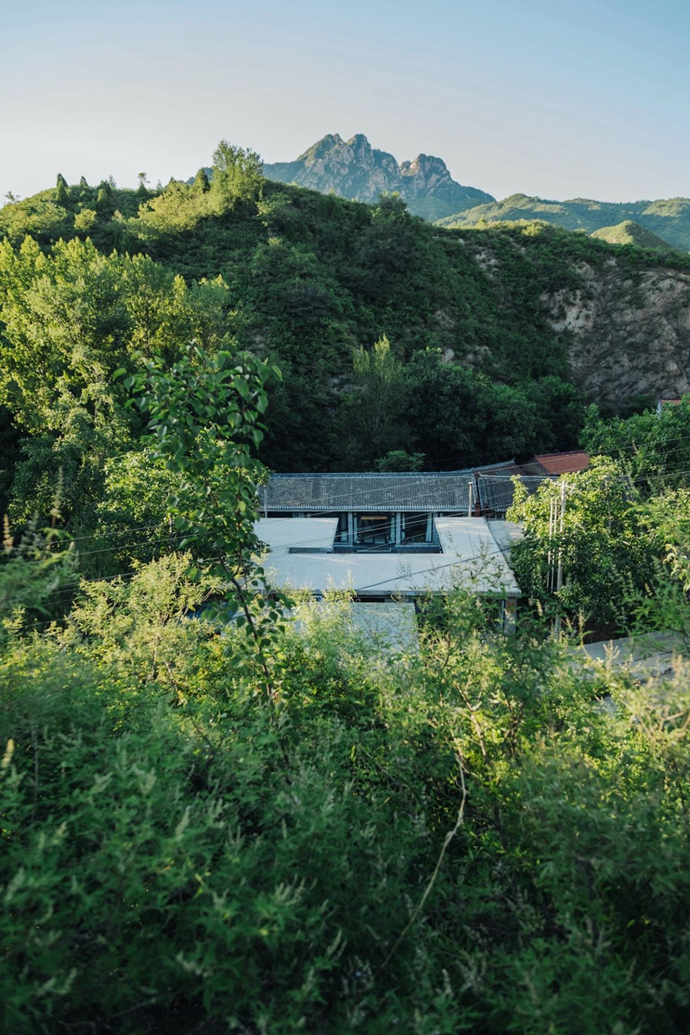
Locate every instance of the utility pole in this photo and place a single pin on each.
(470, 497)
(549, 557)
(559, 573)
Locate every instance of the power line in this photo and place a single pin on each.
(97, 535)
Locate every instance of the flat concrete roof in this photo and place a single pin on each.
(280, 534)
(649, 655)
(506, 534)
(471, 558)
(387, 626)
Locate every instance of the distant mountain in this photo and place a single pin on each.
(629, 232)
(668, 219)
(355, 170)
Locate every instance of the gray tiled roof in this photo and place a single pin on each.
(384, 492)
(496, 491)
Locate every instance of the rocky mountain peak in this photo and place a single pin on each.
(359, 144)
(427, 171)
(355, 170)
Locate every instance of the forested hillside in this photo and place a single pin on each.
(668, 218)
(629, 232)
(489, 342)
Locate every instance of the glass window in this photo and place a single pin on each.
(414, 528)
(374, 529)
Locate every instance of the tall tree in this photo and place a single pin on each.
(375, 410)
(591, 522)
(201, 183)
(237, 173)
(61, 195)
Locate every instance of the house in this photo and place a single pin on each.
(308, 553)
(554, 464)
(495, 491)
(663, 403)
(389, 626)
(496, 486)
(507, 534)
(391, 511)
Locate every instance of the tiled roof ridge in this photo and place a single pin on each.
(390, 474)
(565, 452)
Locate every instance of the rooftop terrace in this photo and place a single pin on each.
(471, 557)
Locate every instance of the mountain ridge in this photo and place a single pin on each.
(666, 218)
(630, 232)
(355, 170)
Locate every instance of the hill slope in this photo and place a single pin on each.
(669, 219)
(355, 170)
(490, 327)
(629, 232)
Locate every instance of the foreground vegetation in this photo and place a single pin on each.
(214, 819)
(182, 853)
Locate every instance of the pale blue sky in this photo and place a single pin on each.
(558, 99)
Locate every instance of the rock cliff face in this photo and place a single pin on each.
(353, 169)
(622, 317)
(626, 337)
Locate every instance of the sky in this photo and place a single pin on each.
(557, 99)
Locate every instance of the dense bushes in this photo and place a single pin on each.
(215, 818)
(174, 860)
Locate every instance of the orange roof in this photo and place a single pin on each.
(563, 463)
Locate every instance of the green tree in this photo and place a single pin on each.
(508, 419)
(70, 319)
(559, 413)
(443, 410)
(375, 411)
(61, 195)
(205, 415)
(85, 220)
(653, 448)
(399, 460)
(607, 550)
(201, 183)
(237, 173)
(205, 423)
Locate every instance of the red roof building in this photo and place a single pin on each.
(557, 463)
(666, 402)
